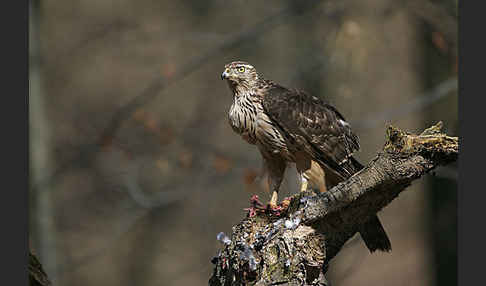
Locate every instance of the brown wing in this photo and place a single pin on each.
(315, 126)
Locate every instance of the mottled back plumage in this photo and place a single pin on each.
(316, 126)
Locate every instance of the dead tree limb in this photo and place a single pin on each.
(295, 248)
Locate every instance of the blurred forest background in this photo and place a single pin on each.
(134, 169)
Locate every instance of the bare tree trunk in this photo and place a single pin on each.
(41, 216)
(296, 247)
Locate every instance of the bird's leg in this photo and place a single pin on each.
(274, 181)
(317, 176)
(276, 169)
(303, 182)
(303, 164)
(274, 199)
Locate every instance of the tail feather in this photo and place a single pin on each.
(357, 166)
(372, 232)
(374, 235)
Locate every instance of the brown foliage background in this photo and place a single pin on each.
(134, 168)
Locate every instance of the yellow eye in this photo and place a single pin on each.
(241, 69)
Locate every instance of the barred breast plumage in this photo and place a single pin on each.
(247, 118)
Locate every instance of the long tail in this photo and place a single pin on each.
(374, 235)
(372, 232)
(355, 165)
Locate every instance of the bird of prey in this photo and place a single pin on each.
(290, 126)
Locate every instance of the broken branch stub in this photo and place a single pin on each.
(295, 248)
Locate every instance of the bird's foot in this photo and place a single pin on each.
(279, 209)
(286, 202)
(274, 209)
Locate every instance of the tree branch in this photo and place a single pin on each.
(296, 247)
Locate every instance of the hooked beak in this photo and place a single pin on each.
(225, 74)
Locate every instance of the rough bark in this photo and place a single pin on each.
(295, 247)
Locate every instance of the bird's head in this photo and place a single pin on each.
(240, 74)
